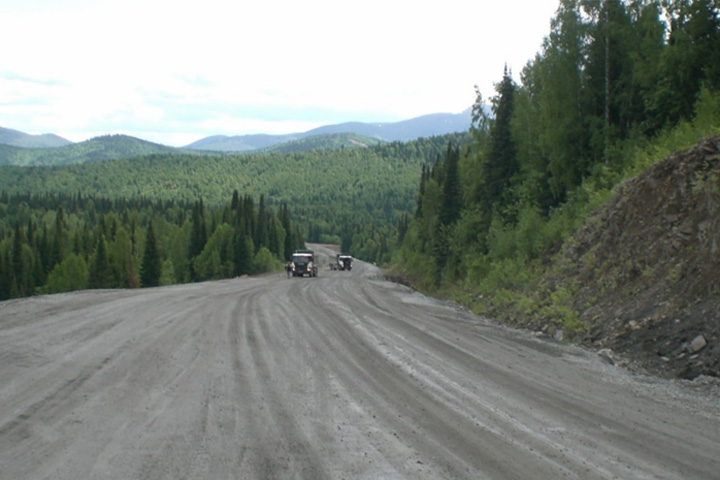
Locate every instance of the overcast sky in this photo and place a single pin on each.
(173, 72)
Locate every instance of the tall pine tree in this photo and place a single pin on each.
(19, 268)
(151, 269)
(501, 163)
(100, 276)
(451, 206)
(198, 236)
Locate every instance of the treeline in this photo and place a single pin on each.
(615, 87)
(53, 243)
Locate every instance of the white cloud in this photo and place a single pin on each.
(79, 65)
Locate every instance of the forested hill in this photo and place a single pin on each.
(108, 147)
(115, 147)
(349, 190)
(330, 141)
(18, 148)
(424, 126)
(24, 140)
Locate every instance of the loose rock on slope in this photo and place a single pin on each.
(648, 266)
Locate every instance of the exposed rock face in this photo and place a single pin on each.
(649, 267)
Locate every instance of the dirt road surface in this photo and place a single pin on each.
(344, 376)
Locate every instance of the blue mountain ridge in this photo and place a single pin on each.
(433, 124)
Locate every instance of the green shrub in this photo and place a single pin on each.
(69, 275)
(265, 261)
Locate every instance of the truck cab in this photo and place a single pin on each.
(303, 263)
(344, 261)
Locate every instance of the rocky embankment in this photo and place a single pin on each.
(648, 268)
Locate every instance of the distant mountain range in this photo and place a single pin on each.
(25, 140)
(403, 131)
(106, 147)
(22, 149)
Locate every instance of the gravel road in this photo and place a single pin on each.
(344, 376)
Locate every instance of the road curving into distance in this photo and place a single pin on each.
(344, 376)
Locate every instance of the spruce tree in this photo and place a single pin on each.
(274, 244)
(6, 276)
(451, 199)
(289, 244)
(18, 263)
(198, 236)
(151, 269)
(501, 163)
(100, 271)
(261, 237)
(57, 254)
(249, 216)
(402, 228)
(421, 192)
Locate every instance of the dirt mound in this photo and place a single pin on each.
(648, 266)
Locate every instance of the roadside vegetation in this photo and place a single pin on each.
(617, 87)
(57, 243)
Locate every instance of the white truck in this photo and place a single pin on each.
(342, 262)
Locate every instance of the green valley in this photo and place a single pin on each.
(354, 192)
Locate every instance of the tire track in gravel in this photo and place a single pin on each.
(281, 448)
(607, 429)
(54, 388)
(502, 408)
(158, 375)
(439, 436)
